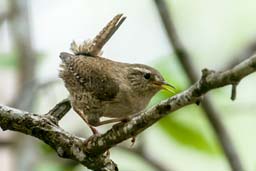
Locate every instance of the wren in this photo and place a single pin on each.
(101, 87)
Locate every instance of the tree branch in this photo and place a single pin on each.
(185, 59)
(93, 153)
(65, 144)
(60, 109)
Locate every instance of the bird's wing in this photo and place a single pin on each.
(88, 76)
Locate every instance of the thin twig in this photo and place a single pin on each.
(185, 59)
(60, 109)
(146, 158)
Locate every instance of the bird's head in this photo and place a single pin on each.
(147, 81)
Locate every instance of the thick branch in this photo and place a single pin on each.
(210, 80)
(42, 127)
(92, 152)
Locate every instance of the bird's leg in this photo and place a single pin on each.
(94, 130)
(122, 119)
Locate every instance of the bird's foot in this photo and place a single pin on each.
(90, 139)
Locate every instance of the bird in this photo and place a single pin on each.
(100, 87)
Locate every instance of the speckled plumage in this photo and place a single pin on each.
(102, 87)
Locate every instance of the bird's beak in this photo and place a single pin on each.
(166, 86)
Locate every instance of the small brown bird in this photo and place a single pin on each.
(100, 87)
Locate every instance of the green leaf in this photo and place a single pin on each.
(186, 135)
(186, 126)
(172, 72)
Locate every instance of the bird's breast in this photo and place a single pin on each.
(124, 105)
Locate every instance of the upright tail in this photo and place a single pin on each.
(93, 47)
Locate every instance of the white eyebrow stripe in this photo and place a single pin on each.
(142, 70)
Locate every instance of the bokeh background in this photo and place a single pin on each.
(217, 34)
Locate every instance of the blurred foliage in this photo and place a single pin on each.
(54, 166)
(50, 167)
(186, 126)
(53, 163)
(8, 60)
(46, 149)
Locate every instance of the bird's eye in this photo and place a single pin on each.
(147, 76)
